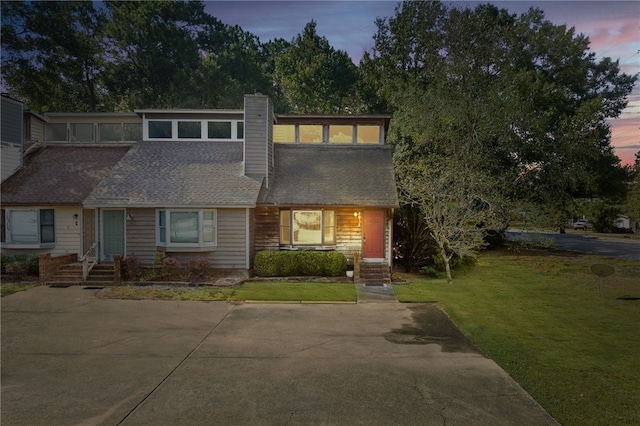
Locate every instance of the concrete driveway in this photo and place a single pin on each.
(69, 358)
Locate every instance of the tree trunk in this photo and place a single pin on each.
(447, 268)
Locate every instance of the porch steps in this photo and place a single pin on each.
(374, 273)
(71, 274)
(101, 274)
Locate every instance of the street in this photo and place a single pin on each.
(627, 249)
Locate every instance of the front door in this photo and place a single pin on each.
(373, 234)
(112, 233)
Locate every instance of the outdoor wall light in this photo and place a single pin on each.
(129, 217)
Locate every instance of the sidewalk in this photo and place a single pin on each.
(382, 293)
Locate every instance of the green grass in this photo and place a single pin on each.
(7, 289)
(265, 291)
(540, 318)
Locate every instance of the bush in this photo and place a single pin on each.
(131, 268)
(299, 263)
(198, 267)
(171, 268)
(20, 264)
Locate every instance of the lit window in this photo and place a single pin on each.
(341, 134)
(368, 134)
(189, 130)
(310, 133)
(307, 227)
(186, 228)
(29, 227)
(284, 133)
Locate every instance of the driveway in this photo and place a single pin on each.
(69, 358)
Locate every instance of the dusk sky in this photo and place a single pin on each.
(613, 28)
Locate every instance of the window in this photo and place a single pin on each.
(81, 132)
(368, 134)
(341, 134)
(189, 130)
(284, 133)
(132, 131)
(3, 228)
(186, 228)
(310, 133)
(29, 227)
(159, 130)
(55, 132)
(109, 132)
(307, 227)
(240, 129)
(219, 130)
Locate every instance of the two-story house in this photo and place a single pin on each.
(222, 184)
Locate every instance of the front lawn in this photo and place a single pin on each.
(540, 318)
(10, 288)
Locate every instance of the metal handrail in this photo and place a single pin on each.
(86, 266)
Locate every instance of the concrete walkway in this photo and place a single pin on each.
(70, 358)
(382, 293)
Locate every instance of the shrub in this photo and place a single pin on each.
(131, 268)
(20, 264)
(171, 268)
(299, 263)
(198, 267)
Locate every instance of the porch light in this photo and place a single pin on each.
(129, 217)
(355, 214)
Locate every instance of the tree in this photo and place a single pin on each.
(313, 76)
(516, 96)
(456, 204)
(154, 54)
(516, 99)
(53, 55)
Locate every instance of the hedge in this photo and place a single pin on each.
(299, 263)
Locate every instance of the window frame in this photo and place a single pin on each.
(163, 229)
(236, 128)
(279, 131)
(286, 228)
(8, 239)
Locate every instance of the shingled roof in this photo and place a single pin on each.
(317, 175)
(178, 173)
(60, 175)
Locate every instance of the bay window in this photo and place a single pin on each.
(307, 227)
(186, 228)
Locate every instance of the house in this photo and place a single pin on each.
(222, 184)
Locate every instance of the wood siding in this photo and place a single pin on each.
(230, 252)
(348, 229)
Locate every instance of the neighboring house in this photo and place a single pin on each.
(11, 142)
(221, 184)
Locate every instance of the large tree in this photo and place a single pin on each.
(313, 76)
(53, 55)
(516, 96)
(516, 99)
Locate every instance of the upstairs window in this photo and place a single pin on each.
(159, 129)
(346, 134)
(81, 132)
(54, 132)
(215, 130)
(189, 130)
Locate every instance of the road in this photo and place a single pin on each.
(585, 244)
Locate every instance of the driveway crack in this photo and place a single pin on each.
(148, 395)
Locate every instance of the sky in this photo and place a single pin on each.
(613, 28)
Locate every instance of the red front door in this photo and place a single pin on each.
(373, 234)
